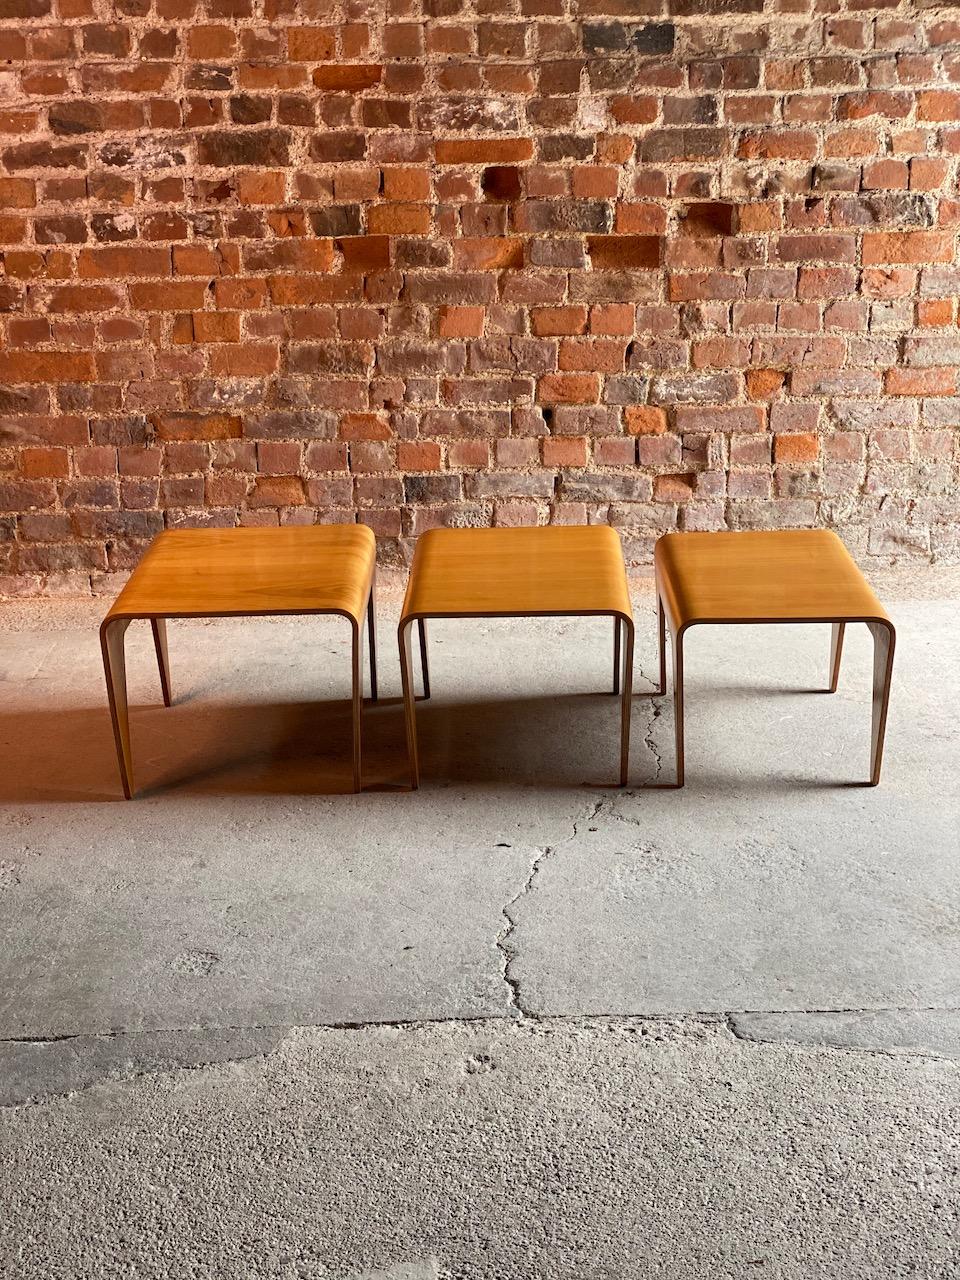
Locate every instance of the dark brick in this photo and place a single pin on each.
(683, 144)
(258, 147)
(337, 220)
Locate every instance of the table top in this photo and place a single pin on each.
(557, 569)
(196, 573)
(788, 575)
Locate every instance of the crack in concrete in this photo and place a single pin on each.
(35, 1080)
(504, 943)
(656, 710)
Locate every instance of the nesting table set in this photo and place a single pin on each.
(778, 576)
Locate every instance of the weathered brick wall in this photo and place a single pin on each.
(663, 263)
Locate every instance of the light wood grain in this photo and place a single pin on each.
(789, 575)
(204, 573)
(576, 569)
(210, 573)
(532, 572)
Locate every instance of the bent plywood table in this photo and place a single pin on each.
(508, 573)
(789, 575)
(249, 572)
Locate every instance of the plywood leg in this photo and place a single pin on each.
(357, 703)
(677, 646)
(626, 704)
(836, 652)
(617, 623)
(115, 670)
(662, 632)
(424, 665)
(884, 642)
(409, 703)
(372, 641)
(159, 628)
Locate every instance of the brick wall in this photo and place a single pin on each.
(663, 263)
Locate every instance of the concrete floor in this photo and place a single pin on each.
(708, 1033)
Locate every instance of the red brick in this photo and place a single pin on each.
(568, 388)
(483, 150)
(46, 366)
(624, 253)
(921, 382)
(197, 426)
(800, 447)
(555, 321)
(461, 322)
(907, 247)
(568, 451)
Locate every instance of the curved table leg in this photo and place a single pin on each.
(357, 702)
(424, 665)
(626, 698)
(662, 632)
(115, 670)
(677, 646)
(836, 651)
(884, 642)
(372, 640)
(159, 628)
(409, 701)
(617, 623)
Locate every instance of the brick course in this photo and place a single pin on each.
(659, 263)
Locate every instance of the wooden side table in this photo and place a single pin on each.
(554, 571)
(225, 573)
(795, 575)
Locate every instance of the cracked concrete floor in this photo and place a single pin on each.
(787, 1102)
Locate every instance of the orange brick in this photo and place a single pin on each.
(605, 355)
(348, 78)
(612, 318)
(78, 298)
(907, 247)
(921, 382)
(108, 264)
(277, 491)
(207, 43)
(364, 426)
(493, 253)
(936, 313)
(568, 388)
(44, 464)
(216, 326)
(18, 193)
(564, 451)
(595, 182)
(178, 295)
(764, 384)
(418, 455)
(261, 187)
(674, 488)
(249, 360)
(483, 150)
(644, 420)
(641, 109)
(196, 426)
(399, 219)
(938, 104)
(461, 322)
(799, 447)
(641, 219)
(406, 184)
(47, 366)
(549, 322)
(311, 44)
